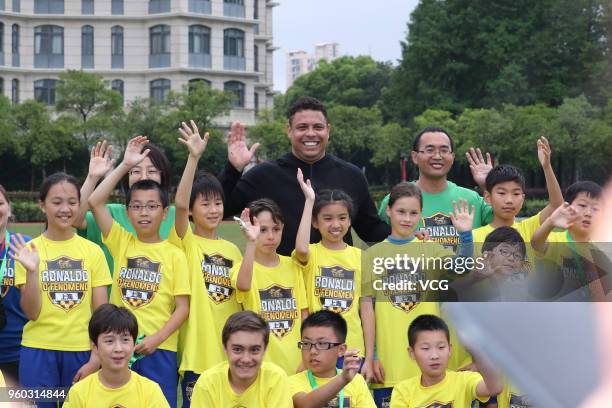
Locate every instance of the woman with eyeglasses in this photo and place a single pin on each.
(154, 167)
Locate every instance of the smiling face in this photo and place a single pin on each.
(505, 259)
(270, 235)
(507, 199)
(245, 351)
(145, 170)
(146, 221)
(587, 208)
(308, 133)
(207, 211)
(333, 221)
(434, 156)
(404, 215)
(114, 350)
(61, 205)
(431, 352)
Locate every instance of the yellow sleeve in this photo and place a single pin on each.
(367, 272)
(202, 398)
(472, 379)
(116, 239)
(278, 392)
(74, 399)
(398, 398)
(240, 295)
(363, 397)
(300, 290)
(529, 227)
(296, 385)
(174, 239)
(100, 275)
(156, 397)
(181, 275)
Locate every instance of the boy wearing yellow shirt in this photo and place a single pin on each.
(429, 346)
(568, 252)
(210, 259)
(113, 331)
(322, 384)
(270, 284)
(150, 276)
(244, 380)
(505, 192)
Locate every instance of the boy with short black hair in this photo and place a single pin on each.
(429, 346)
(113, 331)
(322, 384)
(244, 379)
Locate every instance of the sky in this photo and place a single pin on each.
(360, 27)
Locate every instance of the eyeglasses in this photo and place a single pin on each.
(138, 172)
(430, 151)
(507, 254)
(139, 207)
(320, 345)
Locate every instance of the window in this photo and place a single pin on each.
(1, 43)
(256, 59)
(160, 89)
(233, 49)
(159, 6)
(87, 6)
(117, 7)
(193, 82)
(15, 45)
(237, 88)
(16, 6)
(200, 6)
(116, 47)
(256, 9)
(256, 103)
(87, 47)
(44, 91)
(233, 8)
(199, 46)
(1, 86)
(15, 92)
(49, 6)
(2, 5)
(117, 86)
(48, 47)
(160, 46)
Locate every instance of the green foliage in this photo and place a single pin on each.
(353, 131)
(272, 134)
(532, 206)
(27, 211)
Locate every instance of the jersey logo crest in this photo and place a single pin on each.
(441, 230)
(437, 404)
(335, 288)
(65, 282)
(279, 308)
(216, 273)
(139, 281)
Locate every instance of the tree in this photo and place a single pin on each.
(8, 127)
(272, 134)
(87, 97)
(353, 81)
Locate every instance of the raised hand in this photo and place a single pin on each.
(461, 217)
(350, 366)
(190, 137)
(134, 153)
(306, 187)
(25, 255)
(250, 230)
(237, 152)
(544, 152)
(564, 216)
(100, 162)
(478, 166)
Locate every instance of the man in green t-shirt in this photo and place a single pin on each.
(433, 154)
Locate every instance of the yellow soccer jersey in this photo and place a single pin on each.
(68, 270)
(212, 301)
(333, 282)
(277, 294)
(457, 390)
(270, 389)
(146, 279)
(139, 392)
(356, 393)
(511, 397)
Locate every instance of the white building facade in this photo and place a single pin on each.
(300, 62)
(142, 47)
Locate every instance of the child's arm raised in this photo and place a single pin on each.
(563, 217)
(100, 164)
(302, 239)
(196, 145)
(30, 293)
(321, 396)
(555, 196)
(97, 200)
(251, 233)
(150, 343)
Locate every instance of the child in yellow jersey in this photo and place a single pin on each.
(332, 269)
(150, 276)
(270, 284)
(244, 380)
(429, 346)
(397, 308)
(505, 192)
(113, 331)
(567, 254)
(322, 384)
(210, 261)
(62, 278)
